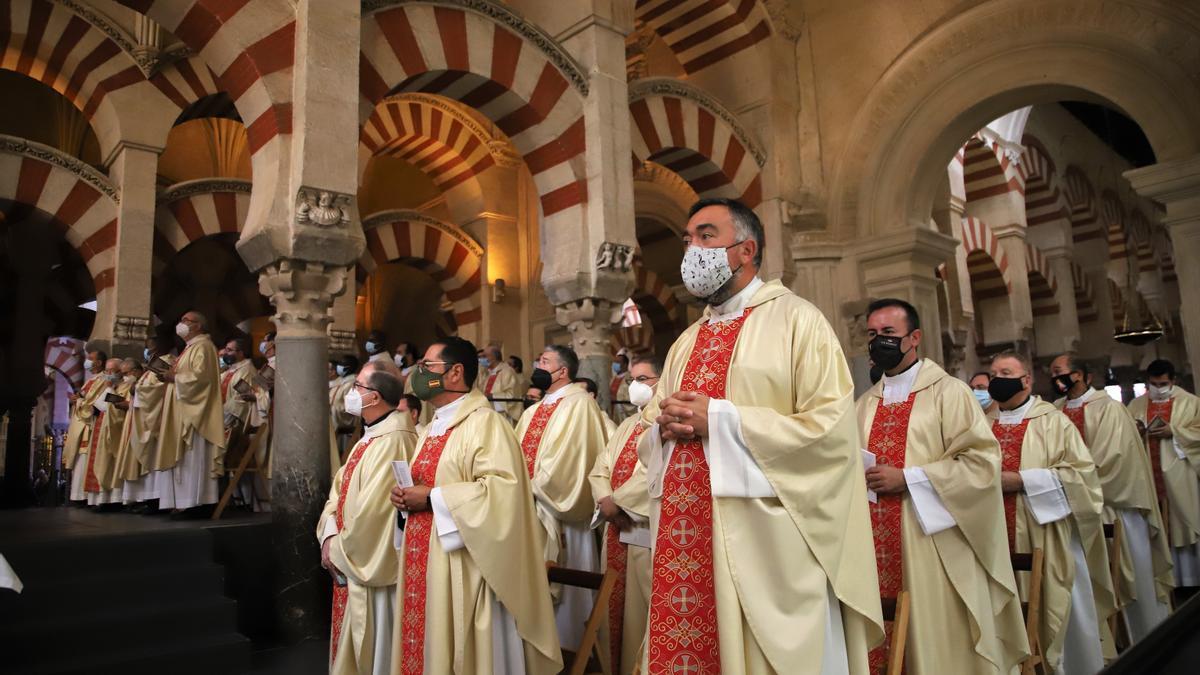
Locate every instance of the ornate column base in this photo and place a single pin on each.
(591, 322)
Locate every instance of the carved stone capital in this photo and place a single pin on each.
(302, 293)
(591, 322)
(613, 257)
(131, 328)
(342, 341)
(324, 208)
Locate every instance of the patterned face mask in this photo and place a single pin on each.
(706, 270)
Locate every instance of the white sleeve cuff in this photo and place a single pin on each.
(498, 407)
(330, 529)
(1178, 450)
(734, 473)
(100, 404)
(1044, 495)
(447, 529)
(656, 460)
(931, 512)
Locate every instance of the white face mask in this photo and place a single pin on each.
(341, 371)
(705, 270)
(353, 402)
(640, 393)
(1159, 393)
(398, 359)
(371, 347)
(181, 329)
(146, 353)
(87, 364)
(262, 348)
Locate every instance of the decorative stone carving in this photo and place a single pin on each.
(202, 187)
(590, 322)
(614, 257)
(322, 208)
(19, 146)
(302, 293)
(785, 19)
(131, 328)
(507, 17)
(854, 314)
(665, 86)
(143, 48)
(342, 341)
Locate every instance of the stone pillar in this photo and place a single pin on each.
(342, 338)
(1059, 260)
(503, 319)
(1012, 242)
(1176, 185)
(17, 489)
(124, 318)
(590, 322)
(902, 265)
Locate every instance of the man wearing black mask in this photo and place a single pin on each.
(939, 506)
(1128, 484)
(1044, 459)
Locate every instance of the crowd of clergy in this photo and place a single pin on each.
(755, 516)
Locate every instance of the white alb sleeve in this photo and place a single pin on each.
(447, 529)
(1044, 495)
(931, 512)
(656, 460)
(330, 529)
(734, 473)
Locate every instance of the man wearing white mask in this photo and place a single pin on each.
(192, 438)
(357, 525)
(1169, 419)
(376, 346)
(752, 464)
(343, 423)
(106, 433)
(619, 487)
(76, 446)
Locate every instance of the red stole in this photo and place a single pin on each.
(683, 599)
(417, 533)
(341, 594)
(889, 443)
(617, 553)
(532, 440)
(1011, 437)
(1163, 411)
(225, 384)
(1077, 418)
(90, 482)
(491, 382)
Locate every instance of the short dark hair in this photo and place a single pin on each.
(655, 362)
(910, 312)
(1023, 359)
(377, 334)
(463, 352)
(589, 384)
(1076, 364)
(745, 222)
(101, 355)
(390, 389)
(241, 344)
(517, 364)
(351, 363)
(1159, 367)
(568, 357)
(413, 403)
(270, 336)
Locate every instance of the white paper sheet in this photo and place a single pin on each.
(868, 460)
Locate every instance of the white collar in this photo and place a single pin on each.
(444, 415)
(1016, 415)
(551, 398)
(733, 307)
(1073, 403)
(896, 388)
(380, 356)
(381, 425)
(195, 339)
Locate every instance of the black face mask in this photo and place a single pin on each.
(1004, 388)
(529, 402)
(885, 351)
(876, 374)
(227, 360)
(1063, 383)
(540, 379)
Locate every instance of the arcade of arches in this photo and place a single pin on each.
(1026, 172)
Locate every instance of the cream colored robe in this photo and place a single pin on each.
(108, 443)
(966, 616)
(1181, 475)
(79, 431)
(141, 427)
(482, 478)
(1051, 442)
(1127, 482)
(507, 385)
(620, 411)
(774, 557)
(195, 405)
(233, 406)
(363, 550)
(633, 498)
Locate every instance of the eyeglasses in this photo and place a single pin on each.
(423, 365)
(363, 386)
(644, 378)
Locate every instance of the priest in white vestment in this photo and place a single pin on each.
(473, 596)
(77, 444)
(140, 436)
(762, 557)
(497, 379)
(357, 529)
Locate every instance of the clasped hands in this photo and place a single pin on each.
(411, 499)
(683, 416)
(614, 514)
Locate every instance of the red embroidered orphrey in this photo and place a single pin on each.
(532, 439)
(683, 598)
(889, 442)
(91, 483)
(341, 594)
(417, 532)
(1077, 418)
(491, 382)
(1161, 410)
(225, 384)
(617, 553)
(1011, 437)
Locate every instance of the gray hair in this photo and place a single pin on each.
(746, 224)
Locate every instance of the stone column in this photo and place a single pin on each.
(1012, 242)
(342, 338)
(1059, 259)
(590, 322)
(902, 265)
(502, 320)
(1176, 185)
(125, 317)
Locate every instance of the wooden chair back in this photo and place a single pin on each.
(603, 585)
(1033, 563)
(897, 611)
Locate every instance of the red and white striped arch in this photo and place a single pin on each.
(704, 32)
(192, 210)
(1166, 260)
(447, 253)
(1044, 201)
(1042, 282)
(81, 202)
(1085, 297)
(250, 48)
(987, 263)
(654, 298)
(1138, 227)
(695, 141)
(1112, 219)
(1081, 203)
(1116, 298)
(534, 95)
(186, 81)
(988, 171)
(65, 354)
(445, 148)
